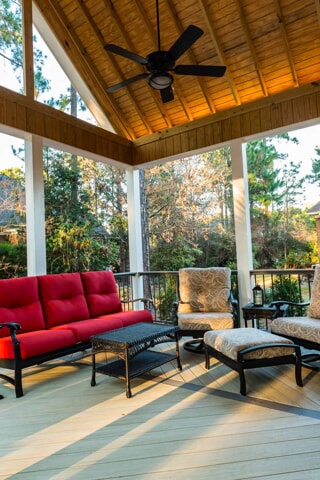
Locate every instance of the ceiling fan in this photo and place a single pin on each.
(161, 62)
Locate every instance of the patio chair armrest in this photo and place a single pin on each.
(279, 303)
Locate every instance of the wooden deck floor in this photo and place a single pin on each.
(192, 424)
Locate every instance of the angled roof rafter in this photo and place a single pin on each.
(205, 10)
(286, 43)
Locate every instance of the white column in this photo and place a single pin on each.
(36, 241)
(242, 219)
(134, 232)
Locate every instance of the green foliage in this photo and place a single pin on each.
(166, 294)
(13, 260)
(170, 256)
(72, 248)
(217, 249)
(285, 288)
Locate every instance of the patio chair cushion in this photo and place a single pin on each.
(305, 328)
(62, 298)
(204, 290)
(205, 321)
(314, 309)
(20, 303)
(101, 292)
(230, 342)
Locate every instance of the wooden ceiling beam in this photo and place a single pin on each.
(205, 11)
(252, 48)
(286, 42)
(74, 50)
(28, 48)
(317, 4)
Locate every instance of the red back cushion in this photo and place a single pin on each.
(19, 303)
(101, 292)
(62, 298)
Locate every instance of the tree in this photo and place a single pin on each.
(274, 187)
(188, 200)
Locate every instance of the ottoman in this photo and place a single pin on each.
(243, 348)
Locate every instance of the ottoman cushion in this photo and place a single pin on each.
(230, 342)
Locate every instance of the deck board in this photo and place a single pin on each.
(189, 424)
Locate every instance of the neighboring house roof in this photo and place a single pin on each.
(315, 210)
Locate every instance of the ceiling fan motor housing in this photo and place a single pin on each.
(158, 63)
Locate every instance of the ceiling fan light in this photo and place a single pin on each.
(160, 81)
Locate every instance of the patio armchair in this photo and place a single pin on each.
(205, 302)
(303, 330)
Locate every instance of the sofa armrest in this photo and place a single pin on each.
(13, 327)
(148, 303)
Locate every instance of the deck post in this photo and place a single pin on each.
(134, 231)
(242, 219)
(35, 213)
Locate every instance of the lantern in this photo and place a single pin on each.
(257, 296)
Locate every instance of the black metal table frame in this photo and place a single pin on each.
(132, 345)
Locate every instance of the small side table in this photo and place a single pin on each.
(266, 312)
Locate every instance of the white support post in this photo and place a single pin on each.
(242, 219)
(36, 241)
(134, 229)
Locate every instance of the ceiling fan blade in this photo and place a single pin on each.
(167, 94)
(200, 70)
(125, 53)
(186, 39)
(124, 83)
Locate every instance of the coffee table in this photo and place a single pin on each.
(133, 345)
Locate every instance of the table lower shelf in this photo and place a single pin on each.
(138, 365)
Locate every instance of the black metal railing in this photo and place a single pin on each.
(294, 285)
(162, 287)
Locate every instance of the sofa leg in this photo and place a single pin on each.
(18, 383)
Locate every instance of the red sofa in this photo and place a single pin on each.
(49, 316)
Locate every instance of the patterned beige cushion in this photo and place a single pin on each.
(205, 289)
(314, 309)
(298, 327)
(230, 342)
(205, 321)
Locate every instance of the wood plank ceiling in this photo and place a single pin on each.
(268, 47)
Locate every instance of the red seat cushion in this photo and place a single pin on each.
(19, 303)
(101, 292)
(37, 343)
(134, 316)
(62, 298)
(84, 329)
